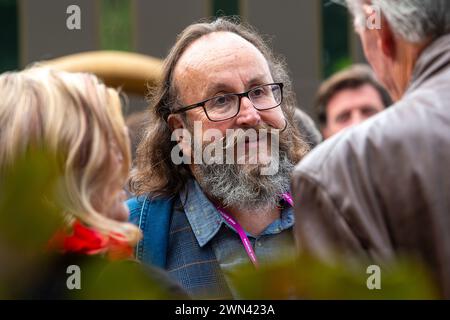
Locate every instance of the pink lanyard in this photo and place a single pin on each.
(236, 226)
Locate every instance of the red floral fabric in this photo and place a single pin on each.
(85, 240)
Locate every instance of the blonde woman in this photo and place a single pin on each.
(79, 119)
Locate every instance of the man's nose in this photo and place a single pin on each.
(357, 118)
(248, 114)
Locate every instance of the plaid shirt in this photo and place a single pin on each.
(188, 237)
(203, 249)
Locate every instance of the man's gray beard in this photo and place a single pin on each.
(242, 186)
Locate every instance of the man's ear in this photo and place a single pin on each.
(175, 122)
(379, 27)
(386, 39)
(180, 133)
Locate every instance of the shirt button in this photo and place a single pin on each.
(258, 243)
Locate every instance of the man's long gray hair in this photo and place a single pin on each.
(413, 20)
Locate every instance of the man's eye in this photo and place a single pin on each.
(369, 111)
(220, 101)
(343, 117)
(258, 92)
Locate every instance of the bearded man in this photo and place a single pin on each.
(224, 108)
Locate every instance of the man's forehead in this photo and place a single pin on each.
(215, 49)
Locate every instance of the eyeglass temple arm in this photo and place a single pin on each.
(187, 108)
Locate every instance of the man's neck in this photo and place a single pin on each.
(255, 222)
(407, 56)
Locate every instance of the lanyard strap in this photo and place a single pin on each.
(237, 227)
(288, 198)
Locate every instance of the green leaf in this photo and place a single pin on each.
(310, 278)
(30, 212)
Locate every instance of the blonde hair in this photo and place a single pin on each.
(80, 120)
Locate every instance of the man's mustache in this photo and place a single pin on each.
(240, 136)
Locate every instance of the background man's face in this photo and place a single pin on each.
(349, 107)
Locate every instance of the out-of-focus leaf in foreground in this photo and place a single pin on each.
(29, 216)
(310, 278)
(123, 280)
(31, 213)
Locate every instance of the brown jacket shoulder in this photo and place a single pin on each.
(382, 189)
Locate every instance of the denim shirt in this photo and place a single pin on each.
(210, 228)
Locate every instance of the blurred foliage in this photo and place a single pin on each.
(335, 37)
(340, 64)
(29, 212)
(9, 35)
(225, 8)
(30, 215)
(116, 32)
(309, 278)
(121, 280)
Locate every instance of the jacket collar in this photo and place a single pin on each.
(434, 58)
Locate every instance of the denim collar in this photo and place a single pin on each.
(206, 221)
(203, 216)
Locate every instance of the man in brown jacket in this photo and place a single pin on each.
(381, 190)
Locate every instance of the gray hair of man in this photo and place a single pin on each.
(415, 21)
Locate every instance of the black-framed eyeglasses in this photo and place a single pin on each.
(227, 106)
